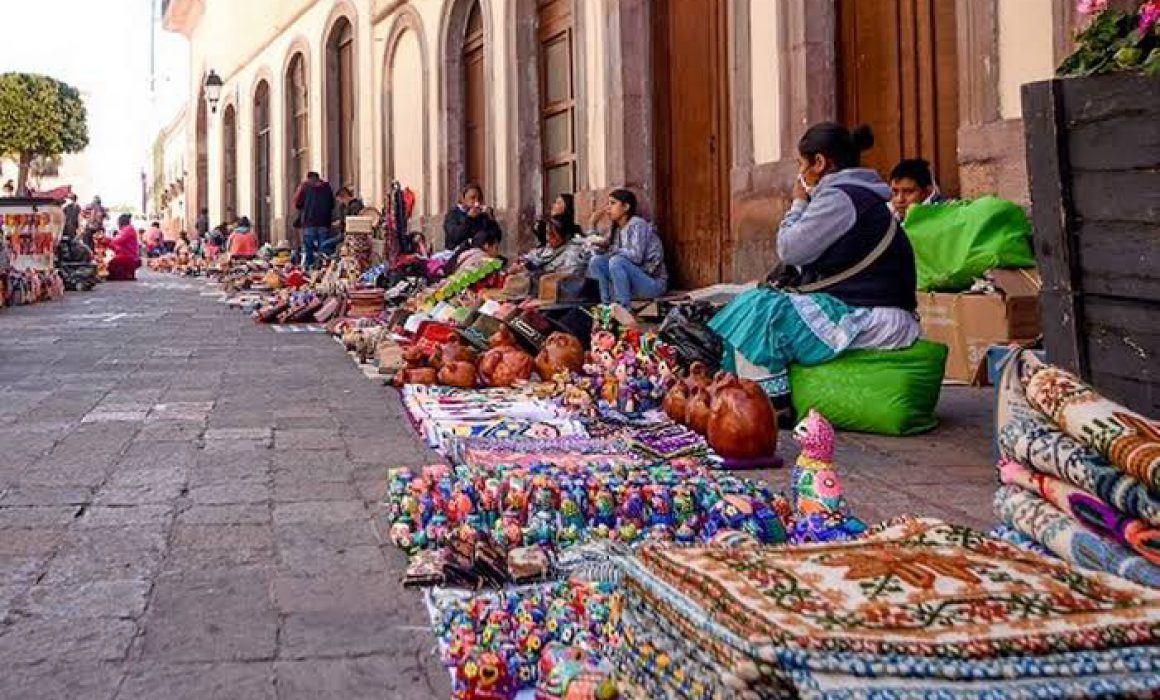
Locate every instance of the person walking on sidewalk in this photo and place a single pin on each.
(315, 204)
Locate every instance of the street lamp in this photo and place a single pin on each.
(213, 90)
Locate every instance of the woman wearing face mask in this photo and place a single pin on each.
(847, 275)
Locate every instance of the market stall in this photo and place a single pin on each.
(30, 228)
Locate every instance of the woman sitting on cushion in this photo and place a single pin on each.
(126, 249)
(243, 242)
(848, 279)
(632, 262)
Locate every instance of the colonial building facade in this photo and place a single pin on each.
(695, 104)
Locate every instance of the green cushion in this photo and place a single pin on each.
(889, 392)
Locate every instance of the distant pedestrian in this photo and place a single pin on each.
(315, 204)
(201, 226)
(72, 216)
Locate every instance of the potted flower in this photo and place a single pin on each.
(1093, 159)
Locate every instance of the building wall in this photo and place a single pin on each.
(782, 69)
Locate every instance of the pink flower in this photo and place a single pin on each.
(1091, 7)
(1149, 13)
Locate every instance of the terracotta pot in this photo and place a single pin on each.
(504, 366)
(698, 376)
(458, 374)
(414, 357)
(561, 352)
(675, 404)
(420, 375)
(453, 351)
(697, 410)
(742, 424)
(503, 338)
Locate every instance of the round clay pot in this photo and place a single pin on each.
(458, 374)
(742, 424)
(697, 410)
(698, 376)
(675, 404)
(420, 375)
(562, 352)
(453, 351)
(504, 366)
(502, 338)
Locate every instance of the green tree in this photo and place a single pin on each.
(40, 117)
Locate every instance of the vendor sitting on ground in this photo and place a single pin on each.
(848, 276)
(911, 182)
(469, 217)
(484, 247)
(243, 242)
(631, 261)
(562, 252)
(154, 240)
(126, 249)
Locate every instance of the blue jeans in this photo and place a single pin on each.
(622, 281)
(312, 239)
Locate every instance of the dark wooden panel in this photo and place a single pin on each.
(1122, 144)
(1141, 397)
(1103, 97)
(1117, 196)
(1051, 216)
(1120, 259)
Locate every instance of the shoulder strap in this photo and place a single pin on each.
(864, 263)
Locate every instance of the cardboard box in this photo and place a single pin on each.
(970, 323)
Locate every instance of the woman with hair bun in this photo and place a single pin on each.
(845, 278)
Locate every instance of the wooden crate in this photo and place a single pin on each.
(1093, 157)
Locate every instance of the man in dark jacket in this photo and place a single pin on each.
(468, 218)
(72, 217)
(315, 203)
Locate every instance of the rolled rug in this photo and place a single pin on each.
(1039, 444)
(1126, 438)
(1070, 540)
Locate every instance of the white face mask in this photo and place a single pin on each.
(805, 185)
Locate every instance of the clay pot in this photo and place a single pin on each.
(459, 373)
(675, 403)
(414, 357)
(697, 410)
(698, 376)
(504, 366)
(742, 424)
(451, 352)
(503, 338)
(417, 375)
(561, 352)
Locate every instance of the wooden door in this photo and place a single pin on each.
(898, 72)
(475, 101)
(262, 204)
(691, 94)
(347, 119)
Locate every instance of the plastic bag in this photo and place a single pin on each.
(888, 392)
(956, 242)
(686, 329)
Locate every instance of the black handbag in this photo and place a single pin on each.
(686, 330)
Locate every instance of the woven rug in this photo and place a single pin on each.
(1086, 508)
(916, 587)
(1070, 540)
(1126, 439)
(1038, 444)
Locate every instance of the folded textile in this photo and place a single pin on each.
(1013, 536)
(1125, 438)
(1084, 507)
(1038, 444)
(1070, 540)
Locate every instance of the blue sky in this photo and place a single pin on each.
(102, 48)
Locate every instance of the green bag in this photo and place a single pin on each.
(889, 392)
(956, 242)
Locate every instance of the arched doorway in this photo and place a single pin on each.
(475, 127)
(898, 72)
(693, 151)
(297, 129)
(229, 164)
(262, 215)
(201, 194)
(406, 125)
(341, 158)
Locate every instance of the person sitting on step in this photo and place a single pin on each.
(630, 263)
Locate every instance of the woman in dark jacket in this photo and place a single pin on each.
(468, 218)
(848, 279)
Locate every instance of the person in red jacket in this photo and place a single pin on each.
(126, 251)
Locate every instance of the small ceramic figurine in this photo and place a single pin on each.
(819, 503)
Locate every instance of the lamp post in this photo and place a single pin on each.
(213, 90)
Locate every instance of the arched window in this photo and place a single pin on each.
(557, 98)
(474, 99)
(297, 129)
(262, 213)
(341, 160)
(229, 164)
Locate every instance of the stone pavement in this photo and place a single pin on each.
(190, 504)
